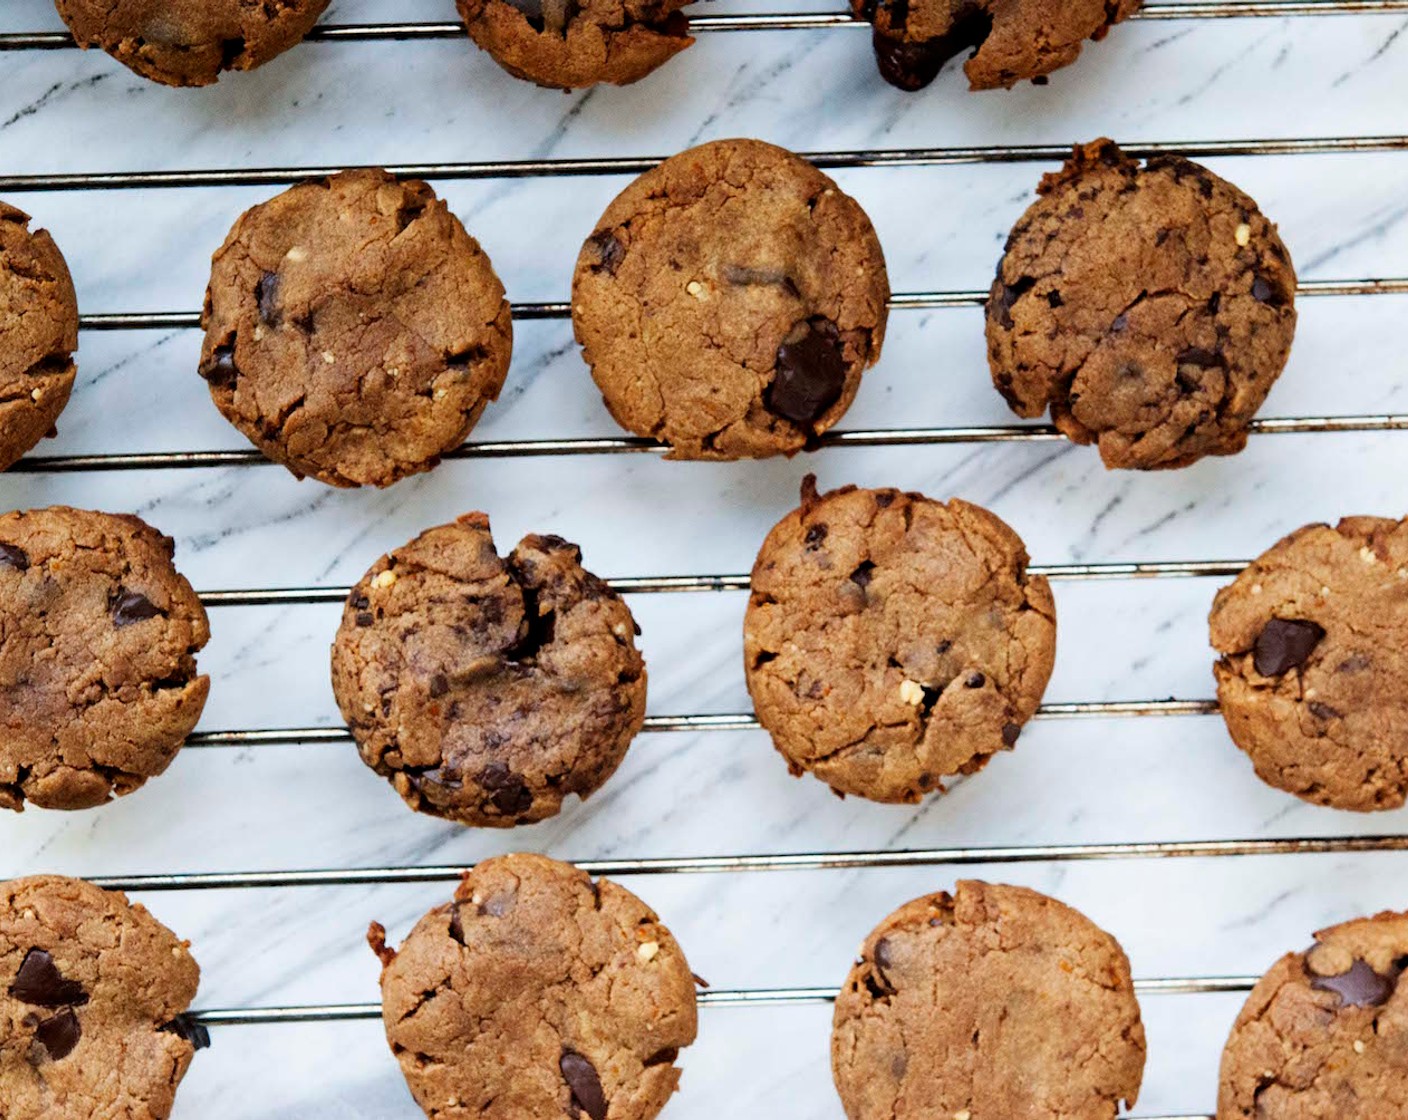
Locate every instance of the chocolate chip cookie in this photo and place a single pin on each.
(993, 1003)
(1324, 1034)
(488, 689)
(93, 999)
(891, 640)
(354, 330)
(538, 994)
(729, 301)
(98, 642)
(1150, 308)
(190, 42)
(38, 334)
(1010, 40)
(1313, 678)
(572, 44)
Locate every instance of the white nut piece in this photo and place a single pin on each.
(648, 951)
(697, 290)
(296, 254)
(384, 579)
(1244, 235)
(912, 692)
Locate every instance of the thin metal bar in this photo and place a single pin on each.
(799, 861)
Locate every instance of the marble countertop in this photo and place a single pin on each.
(1069, 782)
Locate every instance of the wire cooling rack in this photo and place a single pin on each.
(914, 301)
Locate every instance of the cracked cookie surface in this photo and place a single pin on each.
(1313, 677)
(488, 689)
(93, 995)
(538, 994)
(572, 44)
(1149, 308)
(38, 334)
(190, 42)
(993, 1003)
(354, 331)
(98, 637)
(1010, 40)
(891, 640)
(729, 302)
(1324, 1034)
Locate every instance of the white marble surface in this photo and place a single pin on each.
(316, 806)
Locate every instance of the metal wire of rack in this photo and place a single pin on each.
(674, 584)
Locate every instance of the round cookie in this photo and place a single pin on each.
(488, 689)
(93, 1000)
(38, 334)
(572, 44)
(1011, 40)
(1313, 677)
(190, 42)
(354, 330)
(993, 1003)
(98, 637)
(538, 994)
(1324, 1034)
(1149, 308)
(891, 640)
(729, 301)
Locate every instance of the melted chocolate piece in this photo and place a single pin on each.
(1011, 732)
(912, 65)
(131, 606)
(1361, 986)
(183, 1026)
(810, 373)
(583, 1080)
(12, 556)
(1285, 644)
(267, 295)
(59, 1035)
(221, 370)
(40, 983)
(610, 251)
(506, 789)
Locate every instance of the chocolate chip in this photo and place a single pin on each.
(1361, 986)
(1120, 323)
(861, 576)
(364, 618)
(815, 535)
(59, 1035)
(15, 557)
(1010, 733)
(1053, 298)
(582, 1080)
(943, 647)
(1323, 711)
(506, 789)
(810, 374)
(744, 277)
(1264, 291)
(456, 924)
(975, 680)
(610, 251)
(439, 685)
(128, 607)
(266, 293)
(221, 370)
(40, 983)
(664, 1057)
(882, 953)
(1284, 644)
(912, 65)
(1201, 359)
(183, 1026)
(1007, 296)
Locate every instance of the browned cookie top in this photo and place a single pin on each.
(891, 639)
(1149, 308)
(38, 334)
(538, 994)
(1324, 1035)
(190, 42)
(1313, 679)
(571, 44)
(354, 330)
(729, 301)
(993, 1003)
(1011, 40)
(93, 995)
(488, 689)
(98, 637)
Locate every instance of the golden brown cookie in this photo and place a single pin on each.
(1324, 1034)
(38, 334)
(93, 1000)
(572, 44)
(190, 42)
(729, 302)
(354, 331)
(993, 1003)
(1313, 678)
(891, 640)
(538, 994)
(488, 690)
(98, 641)
(1150, 308)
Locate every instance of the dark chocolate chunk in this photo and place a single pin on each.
(1361, 986)
(456, 924)
(183, 1026)
(1266, 292)
(506, 789)
(585, 1084)
(12, 556)
(439, 685)
(59, 1035)
(861, 576)
(1284, 644)
(810, 373)
(131, 606)
(975, 680)
(40, 983)
(267, 295)
(221, 370)
(1010, 733)
(364, 618)
(882, 953)
(1008, 296)
(610, 251)
(815, 535)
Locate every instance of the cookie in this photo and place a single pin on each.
(1313, 677)
(993, 1003)
(190, 42)
(729, 301)
(486, 689)
(93, 1000)
(572, 44)
(538, 994)
(891, 640)
(1150, 308)
(1011, 40)
(98, 643)
(1324, 1034)
(354, 330)
(38, 334)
